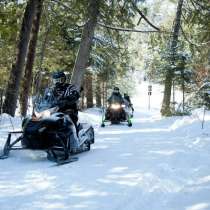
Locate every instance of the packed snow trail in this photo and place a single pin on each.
(158, 164)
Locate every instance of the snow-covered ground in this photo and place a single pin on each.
(158, 164)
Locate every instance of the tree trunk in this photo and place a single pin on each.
(27, 82)
(85, 45)
(106, 94)
(1, 99)
(103, 94)
(165, 109)
(38, 76)
(89, 89)
(82, 103)
(13, 87)
(44, 44)
(98, 92)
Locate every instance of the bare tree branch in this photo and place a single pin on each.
(128, 29)
(139, 21)
(143, 16)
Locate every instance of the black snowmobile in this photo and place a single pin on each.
(53, 132)
(116, 113)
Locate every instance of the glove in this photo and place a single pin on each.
(72, 97)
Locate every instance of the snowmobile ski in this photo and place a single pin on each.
(69, 160)
(3, 156)
(9, 146)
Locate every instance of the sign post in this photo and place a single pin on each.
(149, 94)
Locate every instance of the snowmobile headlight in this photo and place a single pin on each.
(43, 114)
(36, 116)
(123, 105)
(115, 106)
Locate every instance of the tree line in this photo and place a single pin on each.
(70, 21)
(182, 57)
(89, 39)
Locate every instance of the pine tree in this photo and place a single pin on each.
(85, 45)
(13, 87)
(27, 80)
(165, 109)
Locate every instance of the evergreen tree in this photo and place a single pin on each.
(165, 109)
(27, 79)
(13, 87)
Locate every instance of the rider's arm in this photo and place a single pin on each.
(71, 94)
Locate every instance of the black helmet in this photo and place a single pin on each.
(58, 78)
(116, 90)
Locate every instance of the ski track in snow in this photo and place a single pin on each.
(158, 164)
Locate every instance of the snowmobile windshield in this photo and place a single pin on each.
(45, 102)
(114, 99)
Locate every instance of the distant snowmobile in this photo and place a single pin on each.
(53, 132)
(119, 109)
(117, 113)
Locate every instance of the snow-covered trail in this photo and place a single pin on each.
(158, 164)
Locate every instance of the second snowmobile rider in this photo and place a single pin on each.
(128, 101)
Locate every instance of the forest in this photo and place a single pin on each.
(100, 44)
(104, 104)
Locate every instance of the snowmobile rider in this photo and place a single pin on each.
(128, 101)
(66, 96)
(116, 96)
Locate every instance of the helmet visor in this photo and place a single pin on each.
(116, 91)
(58, 80)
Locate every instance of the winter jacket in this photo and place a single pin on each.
(115, 98)
(64, 96)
